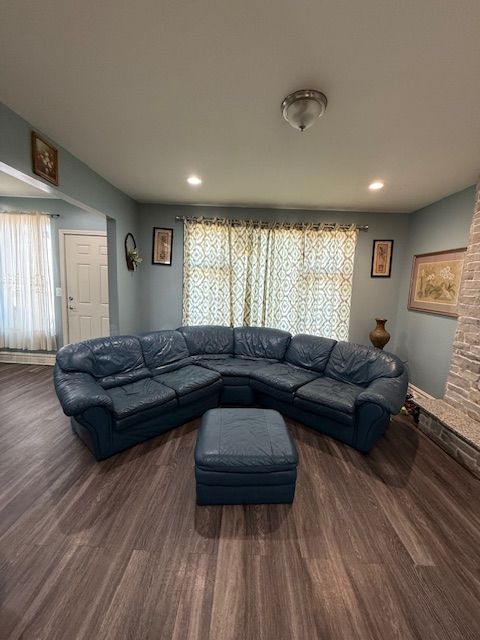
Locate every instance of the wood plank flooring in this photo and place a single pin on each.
(385, 546)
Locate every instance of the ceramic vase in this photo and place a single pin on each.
(379, 336)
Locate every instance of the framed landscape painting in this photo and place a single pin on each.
(162, 246)
(382, 259)
(435, 282)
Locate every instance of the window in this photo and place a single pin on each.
(280, 275)
(27, 317)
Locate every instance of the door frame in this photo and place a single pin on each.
(62, 233)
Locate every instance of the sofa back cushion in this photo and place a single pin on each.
(310, 352)
(163, 348)
(113, 361)
(360, 364)
(208, 339)
(261, 342)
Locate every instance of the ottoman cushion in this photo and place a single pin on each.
(244, 441)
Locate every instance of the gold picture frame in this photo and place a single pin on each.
(44, 159)
(435, 282)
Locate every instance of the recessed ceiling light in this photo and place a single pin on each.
(375, 186)
(194, 181)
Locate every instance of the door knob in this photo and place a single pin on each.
(72, 308)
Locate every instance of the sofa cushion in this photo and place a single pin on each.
(320, 411)
(139, 396)
(172, 366)
(187, 379)
(360, 364)
(262, 389)
(332, 393)
(261, 342)
(212, 339)
(161, 348)
(210, 356)
(283, 376)
(236, 367)
(113, 361)
(311, 352)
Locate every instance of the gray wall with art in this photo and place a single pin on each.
(161, 286)
(425, 340)
(83, 188)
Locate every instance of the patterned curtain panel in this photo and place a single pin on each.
(27, 314)
(279, 275)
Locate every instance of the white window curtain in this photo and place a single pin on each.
(279, 275)
(27, 316)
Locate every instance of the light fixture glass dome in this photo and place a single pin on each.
(302, 108)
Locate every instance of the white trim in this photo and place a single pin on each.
(419, 393)
(22, 357)
(62, 233)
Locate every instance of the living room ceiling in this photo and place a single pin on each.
(148, 93)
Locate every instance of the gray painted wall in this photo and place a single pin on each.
(161, 286)
(423, 339)
(85, 189)
(70, 218)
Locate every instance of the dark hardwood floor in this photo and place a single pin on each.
(382, 546)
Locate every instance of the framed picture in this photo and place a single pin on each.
(382, 259)
(44, 159)
(435, 282)
(162, 246)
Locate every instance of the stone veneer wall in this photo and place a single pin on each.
(453, 430)
(463, 382)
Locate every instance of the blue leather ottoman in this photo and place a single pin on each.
(244, 456)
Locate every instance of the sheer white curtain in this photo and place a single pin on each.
(27, 316)
(280, 275)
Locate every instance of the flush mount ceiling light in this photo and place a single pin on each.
(301, 108)
(194, 181)
(375, 186)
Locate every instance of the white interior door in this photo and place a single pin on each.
(86, 286)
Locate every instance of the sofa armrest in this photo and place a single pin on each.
(79, 391)
(389, 393)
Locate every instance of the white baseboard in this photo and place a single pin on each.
(418, 393)
(23, 357)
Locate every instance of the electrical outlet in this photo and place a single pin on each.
(58, 292)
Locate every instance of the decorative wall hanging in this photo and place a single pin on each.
(44, 159)
(382, 259)
(379, 336)
(435, 282)
(132, 255)
(162, 246)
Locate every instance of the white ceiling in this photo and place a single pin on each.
(15, 188)
(148, 92)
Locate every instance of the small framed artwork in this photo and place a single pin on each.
(44, 159)
(435, 282)
(382, 259)
(162, 246)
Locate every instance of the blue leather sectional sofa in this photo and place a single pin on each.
(125, 389)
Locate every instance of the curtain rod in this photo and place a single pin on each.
(293, 225)
(34, 213)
